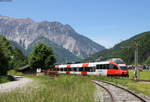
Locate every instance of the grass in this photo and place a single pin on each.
(69, 88)
(64, 88)
(144, 75)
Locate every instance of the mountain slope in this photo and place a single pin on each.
(62, 55)
(125, 49)
(25, 31)
(16, 45)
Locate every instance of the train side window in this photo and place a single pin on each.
(115, 67)
(69, 69)
(99, 67)
(61, 69)
(65, 69)
(87, 69)
(81, 69)
(103, 66)
(111, 66)
(91, 69)
(77, 69)
(74, 69)
(106, 66)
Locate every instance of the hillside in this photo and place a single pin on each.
(26, 31)
(62, 55)
(125, 49)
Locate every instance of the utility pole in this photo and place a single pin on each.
(137, 73)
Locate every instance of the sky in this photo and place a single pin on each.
(106, 22)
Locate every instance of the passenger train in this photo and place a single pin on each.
(111, 67)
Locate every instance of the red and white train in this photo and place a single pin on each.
(112, 67)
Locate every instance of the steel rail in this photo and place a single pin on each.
(111, 96)
(134, 94)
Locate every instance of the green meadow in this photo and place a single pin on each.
(60, 89)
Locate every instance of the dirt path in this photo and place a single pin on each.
(21, 81)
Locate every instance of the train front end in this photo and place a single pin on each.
(122, 68)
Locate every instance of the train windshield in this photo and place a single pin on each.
(123, 67)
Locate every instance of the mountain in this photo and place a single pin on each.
(125, 49)
(62, 55)
(26, 31)
(18, 46)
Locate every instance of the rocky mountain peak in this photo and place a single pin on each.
(69, 28)
(26, 31)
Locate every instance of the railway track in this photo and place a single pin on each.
(116, 93)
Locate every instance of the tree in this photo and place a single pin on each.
(5, 55)
(3, 63)
(19, 59)
(10, 57)
(41, 57)
(147, 61)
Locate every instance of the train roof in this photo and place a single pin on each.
(91, 64)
